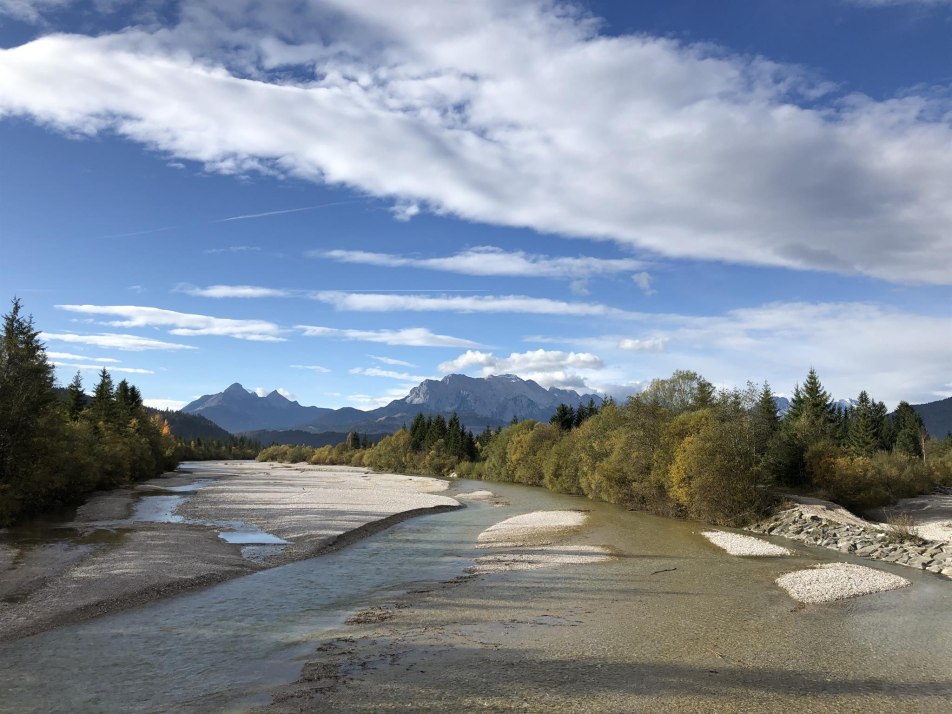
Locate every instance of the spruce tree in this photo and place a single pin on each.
(564, 417)
(766, 420)
(454, 437)
(418, 432)
(75, 398)
(863, 437)
(103, 406)
(26, 392)
(910, 431)
(811, 405)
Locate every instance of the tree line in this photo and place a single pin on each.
(681, 447)
(54, 450)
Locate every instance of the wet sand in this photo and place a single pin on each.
(108, 558)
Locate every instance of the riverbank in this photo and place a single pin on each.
(825, 524)
(190, 529)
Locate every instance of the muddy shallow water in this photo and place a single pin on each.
(671, 622)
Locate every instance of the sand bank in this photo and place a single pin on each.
(117, 554)
(537, 528)
(737, 544)
(829, 582)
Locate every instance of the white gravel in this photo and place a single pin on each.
(545, 557)
(836, 581)
(536, 528)
(737, 544)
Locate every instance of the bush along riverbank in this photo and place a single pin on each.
(680, 448)
(806, 524)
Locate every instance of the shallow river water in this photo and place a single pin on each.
(225, 647)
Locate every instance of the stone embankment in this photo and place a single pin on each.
(799, 524)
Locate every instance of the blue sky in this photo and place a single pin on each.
(339, 199)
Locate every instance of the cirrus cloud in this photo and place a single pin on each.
(408, 336)
(130, 343)
(181, 323)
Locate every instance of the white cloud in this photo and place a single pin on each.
(131, 343)
(98, 367)
(409, 336)
(73, 357)
(232, 291)
(232, 249)
(387, 374)
(650, 344)
(643, 281)
(312, 367)
(391, 361)
(174, 404)
(492, 261)
(699, 153)
(390, 302)
(550, 368)
(183, 324)
(894, 354)
(262, 392)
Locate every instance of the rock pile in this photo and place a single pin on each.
(866, 542)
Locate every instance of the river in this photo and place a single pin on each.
(225, 648)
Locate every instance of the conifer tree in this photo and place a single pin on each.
(910, 431)
(564, 417)
(418, 431)
(103, 406)
(811, 404)
(26, 391)
(454, 437)
(75, 398)
(863, 437)
(766, 420)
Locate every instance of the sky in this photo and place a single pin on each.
(338, 199)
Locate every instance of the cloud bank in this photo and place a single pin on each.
(682, 150)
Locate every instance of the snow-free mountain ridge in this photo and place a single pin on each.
(479, 402)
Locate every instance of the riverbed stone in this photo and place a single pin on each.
(870, 542)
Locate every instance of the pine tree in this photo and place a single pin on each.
(863, 437)
(75, 398)
(564, 417)
(910, 431)
(103, 406)
(766, 420)
(418, 432)
(26, 391)
(811, 404)
(883, 426)
(454, 437)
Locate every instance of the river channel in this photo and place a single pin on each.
(225, 648)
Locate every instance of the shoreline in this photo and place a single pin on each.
(70, 578)
(828, 525)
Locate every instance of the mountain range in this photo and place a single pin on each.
(479, 402)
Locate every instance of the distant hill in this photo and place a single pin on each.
(238, 410)
(479, 402)
(191, 426)
(937, 416)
